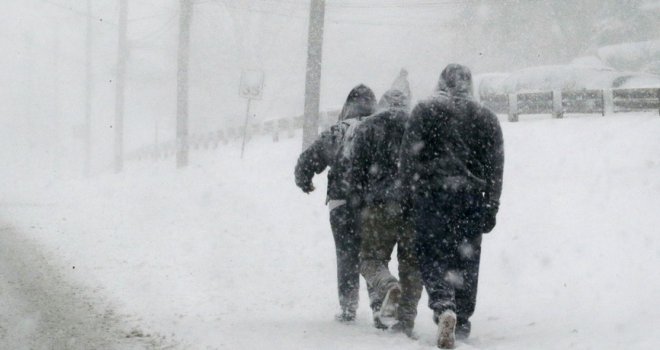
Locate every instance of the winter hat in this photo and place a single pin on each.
(456, 81)
(360, 102)
(401, 83)
(393, 98)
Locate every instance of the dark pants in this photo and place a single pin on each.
(347, 246)
(449, 249)
(381, 230)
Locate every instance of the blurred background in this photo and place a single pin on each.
(61, 60)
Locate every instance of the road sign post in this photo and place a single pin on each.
(251, 88)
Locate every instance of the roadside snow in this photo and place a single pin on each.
(229, 254)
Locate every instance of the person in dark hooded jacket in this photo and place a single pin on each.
(327, 151)
(373, 176)
(452, 161)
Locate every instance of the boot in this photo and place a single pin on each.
(375, 307)
(405, 327)
(345, 316)
(446, 330)
(463, 328)
(390, 302)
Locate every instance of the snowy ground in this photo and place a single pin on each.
(229, 254)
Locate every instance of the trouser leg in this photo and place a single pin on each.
(378, 241)
(347, 246)
(409, 274)
(466, 294)
(436, 255)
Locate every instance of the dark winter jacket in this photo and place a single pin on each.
(373, 173)
(454, 146)
(327, 150)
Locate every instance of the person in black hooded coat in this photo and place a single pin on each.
(452, 161)
(327, 151)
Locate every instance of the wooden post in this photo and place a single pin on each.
(245, 127)
(557, 106)
(291, 130)
(608, 102)
(513, 107)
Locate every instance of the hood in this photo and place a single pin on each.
(360, 102)
(456, 81)
(393, 98)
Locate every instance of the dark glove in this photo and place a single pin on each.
(487, 223)
(307, 187)
(488, 220)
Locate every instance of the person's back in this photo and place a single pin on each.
(449, 143)
(374, 169)
(326, 150)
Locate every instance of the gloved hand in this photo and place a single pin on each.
(307, 187)
(488, 220)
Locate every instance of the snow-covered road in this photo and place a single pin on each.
(40, 309)
(229, 254)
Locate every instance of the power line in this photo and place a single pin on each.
(78, 12)
(168, 25)
(402, 5)
(334, 20)
(378, 5)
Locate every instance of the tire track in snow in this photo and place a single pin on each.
(39, 309)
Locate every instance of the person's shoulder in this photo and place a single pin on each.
(428, 102)
(486, 116)
(433, 104)
(485, 112)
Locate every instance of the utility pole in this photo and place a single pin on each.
(56, 108)
(313, 75)
(122, 56)
(88, 91)
(185, 18)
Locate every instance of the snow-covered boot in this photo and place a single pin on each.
(378, 323)
(390, 303)
(346, 315)
(405, 327)
(375, 307)
(463, 328)
(446, 330)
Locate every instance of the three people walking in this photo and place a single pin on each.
(429, 182)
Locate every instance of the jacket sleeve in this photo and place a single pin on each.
(411, 145)
(357, 172)
(494, 161)
(313, 160)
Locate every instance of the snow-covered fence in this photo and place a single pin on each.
(497, 103)
(628, 100)
(583, 101)
(276, 128)
(559, 102)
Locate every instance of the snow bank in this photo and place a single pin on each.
(229, 254)
(638, 56)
